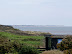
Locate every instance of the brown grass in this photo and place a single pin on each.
(52, 52)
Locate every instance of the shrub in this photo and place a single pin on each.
(6, 46)
(28, 50)
(3, 43)
(2, 50)
(17, 46)
(66, 45)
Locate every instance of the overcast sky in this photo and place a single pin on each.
(36, 12)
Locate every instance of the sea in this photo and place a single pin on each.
(59, 30)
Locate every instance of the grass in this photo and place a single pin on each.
(29, 40)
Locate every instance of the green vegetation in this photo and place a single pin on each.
(15, 44)
(29, 40)
(66, 45)
(6, 46)
(28, 50)
(14, 41)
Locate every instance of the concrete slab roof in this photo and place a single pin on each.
(56, 36)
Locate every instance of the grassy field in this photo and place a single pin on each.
(28, 40)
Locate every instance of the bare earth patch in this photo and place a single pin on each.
(52, 52)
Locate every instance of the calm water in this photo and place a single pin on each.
(59, 40)
(53, 30)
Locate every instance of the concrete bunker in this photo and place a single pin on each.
(52, 40)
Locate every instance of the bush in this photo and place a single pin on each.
(66, 45)
(17, 46)
(6, 46)
(2, 50)
(3, 43)
(28, 50)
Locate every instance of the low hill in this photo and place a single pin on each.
(10, 29)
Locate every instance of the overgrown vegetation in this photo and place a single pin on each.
(6, 46)
(9, 45)
(28, 50)
(13, 41)
(66, 45)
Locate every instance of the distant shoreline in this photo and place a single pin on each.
(42, 25)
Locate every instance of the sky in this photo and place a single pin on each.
(36, 12)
